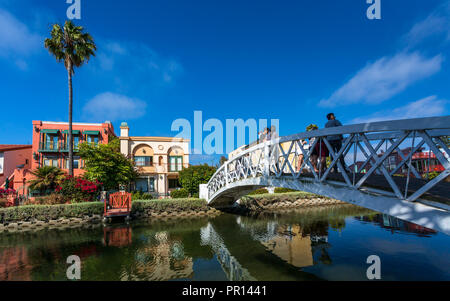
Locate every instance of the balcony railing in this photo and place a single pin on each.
(61, 147)
(65, 147)
(165, 167)
(49, 146)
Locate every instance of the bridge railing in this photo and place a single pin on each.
(373, 156)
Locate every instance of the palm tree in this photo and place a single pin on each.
(75, 47)
(46, 178)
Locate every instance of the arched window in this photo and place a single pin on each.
(143, 156)
(175, 159)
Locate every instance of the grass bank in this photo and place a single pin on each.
(46, 213)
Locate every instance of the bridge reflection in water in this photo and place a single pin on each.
(285, 245)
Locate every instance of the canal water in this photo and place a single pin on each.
(322, 243)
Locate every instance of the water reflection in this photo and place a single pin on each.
(304, 244)
(118, 236)
(394, 224)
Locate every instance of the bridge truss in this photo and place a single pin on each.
(363, 164)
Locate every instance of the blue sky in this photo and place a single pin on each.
(295, 61)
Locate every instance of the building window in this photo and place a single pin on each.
(76, 163)
(174, 183)
(76, 141)
(142, 185)
(142, 161)
(152, 185)
(175, 163)
(50, 142)
(91, 139)
(51, 161)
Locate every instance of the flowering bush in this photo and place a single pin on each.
(78, 189)
(4, 193)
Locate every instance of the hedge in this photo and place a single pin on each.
(169, 205)
(49, 212)
(283, 190)
(259, 191)
(266, 199)
(179, 194)
(54, 212)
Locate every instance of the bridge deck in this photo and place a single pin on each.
(439, 193)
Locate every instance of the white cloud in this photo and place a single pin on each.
(384, 78)
(17, 41)
(111, 106)
(426, 107)
(145, 64)
(436, 24)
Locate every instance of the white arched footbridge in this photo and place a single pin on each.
(370, 178)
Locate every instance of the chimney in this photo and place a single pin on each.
(124, 130)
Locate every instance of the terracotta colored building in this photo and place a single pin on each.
(12, 157)
(50, 147)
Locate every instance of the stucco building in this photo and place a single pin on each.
(51, 144)
(50, 148)
(12, 157)
(158, 159)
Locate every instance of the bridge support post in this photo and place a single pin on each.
(203, 192)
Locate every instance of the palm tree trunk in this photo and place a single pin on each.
(69, 70)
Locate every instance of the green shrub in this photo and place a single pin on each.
(259, 191)
(139, 195)
(49, 212)
(169, 205)
(431, 175)
(179, 194)
(283, 190)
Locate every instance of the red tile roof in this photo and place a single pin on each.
(10, 147)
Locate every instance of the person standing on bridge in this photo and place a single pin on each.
(335, 140)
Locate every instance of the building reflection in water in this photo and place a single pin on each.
(394, 224)
(161, 259)
(247, 248)
(14, 264)
(291, 246)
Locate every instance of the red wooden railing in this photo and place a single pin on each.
(118, 200)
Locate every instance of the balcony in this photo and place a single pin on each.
(65, 147)
(49, 147)
(162, 168)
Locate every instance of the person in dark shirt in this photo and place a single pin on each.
(335, 140)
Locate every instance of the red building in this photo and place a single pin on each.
(51, 148)
(423, 161)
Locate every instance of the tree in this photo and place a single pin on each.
(222, 161)
(193, 176)
(75, 47)
(46, 178)
(446, 140)
(107, 164)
